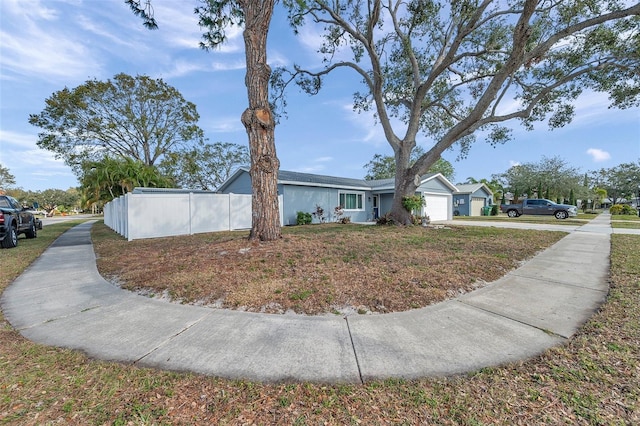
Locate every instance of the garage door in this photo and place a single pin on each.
(437, 206)
(477, 203)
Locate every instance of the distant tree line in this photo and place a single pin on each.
(553, 178)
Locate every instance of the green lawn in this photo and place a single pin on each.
(625, 221)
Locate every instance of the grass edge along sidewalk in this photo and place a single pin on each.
(592, 380)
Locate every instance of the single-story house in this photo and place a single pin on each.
(471, 198)
(362, 200)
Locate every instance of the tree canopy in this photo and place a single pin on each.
(384, 166)
(137, 118)
(206, 167)
(450, 70)
(6, 178)
(49, 199)
(550, 178)
(621, 182)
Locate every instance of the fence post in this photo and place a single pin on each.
(191, 209)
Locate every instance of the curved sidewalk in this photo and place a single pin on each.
(61, 300)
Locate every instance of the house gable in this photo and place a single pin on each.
(471, 198)
(238, 183)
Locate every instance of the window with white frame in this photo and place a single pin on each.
(351, 200)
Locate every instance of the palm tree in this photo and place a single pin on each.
(105, 180)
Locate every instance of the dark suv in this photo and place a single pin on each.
(15, 220)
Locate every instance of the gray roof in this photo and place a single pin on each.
(470, 188)
(323, 180)
(310, 179)
(149, 190)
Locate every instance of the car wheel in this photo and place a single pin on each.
(32, 231)
(512, 213)
(561, 214)
(11, 239)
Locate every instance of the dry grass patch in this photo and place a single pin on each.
(593, 380)
(321, 268)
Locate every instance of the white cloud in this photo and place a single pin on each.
(311, 169)
(238, 64)
(24, 159)
(32, 47)
(39, 54)
(513, 163)
(277, 59)
(180, 68)
(323, 159)
(30, 8)
(372, 132)
(598, 155)
(9, 139)
(178, 26)
(318, 165)
(99, 29)
(224, 125)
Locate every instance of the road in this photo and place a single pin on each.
(57, 219)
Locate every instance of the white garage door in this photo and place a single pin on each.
(437, 207)
(477, 203)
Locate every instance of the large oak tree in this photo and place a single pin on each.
(448, 70)
(136, 118)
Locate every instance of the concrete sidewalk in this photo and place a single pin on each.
(61, 300)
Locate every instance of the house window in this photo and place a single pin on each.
(351, 200)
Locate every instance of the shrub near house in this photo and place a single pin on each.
(303, 218)
(625, 209)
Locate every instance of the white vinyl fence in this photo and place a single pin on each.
(163, 214)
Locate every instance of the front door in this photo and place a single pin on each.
(376, 207)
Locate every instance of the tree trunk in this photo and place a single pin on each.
(259, 123)
(405, 184)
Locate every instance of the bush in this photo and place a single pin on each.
(413, 203)
(319, 214)
(344, 220)
(627, 209)
(385, 220)
(303, 218)
(616, 209)
(494, 210)
(417, 220)
(622, 209)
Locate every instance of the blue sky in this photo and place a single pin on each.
(48, 45)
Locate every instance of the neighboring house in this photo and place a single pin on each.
(362, 200)
(471, 198)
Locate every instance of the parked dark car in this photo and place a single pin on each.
(15, 220)
(539, 207)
